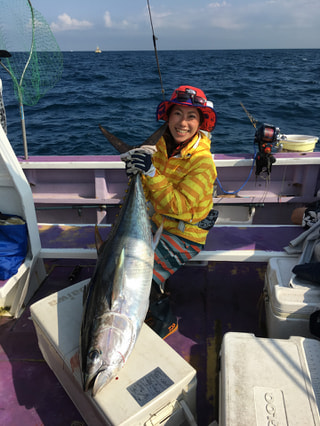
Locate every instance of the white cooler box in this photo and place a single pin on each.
(269, 381)
(288, 309)
(156, 385)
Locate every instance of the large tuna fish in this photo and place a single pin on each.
(117, 298)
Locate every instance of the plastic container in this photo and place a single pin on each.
(156, 386)
(269, 381)
(288, 309)
(301, 143)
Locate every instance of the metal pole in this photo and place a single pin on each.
(23, 127)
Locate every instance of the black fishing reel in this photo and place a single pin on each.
(266, 136)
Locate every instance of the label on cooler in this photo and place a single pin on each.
(150, 386)
(269, 407)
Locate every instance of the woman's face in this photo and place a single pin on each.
(184, 122)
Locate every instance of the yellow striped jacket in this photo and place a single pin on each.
(182, 187)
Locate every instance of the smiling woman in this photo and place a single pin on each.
(184, 122)
(178, 181)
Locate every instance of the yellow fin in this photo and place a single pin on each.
(157, 236)
(98, 238)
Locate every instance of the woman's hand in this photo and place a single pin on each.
(139, 160)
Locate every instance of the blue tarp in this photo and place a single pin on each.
(13, 244)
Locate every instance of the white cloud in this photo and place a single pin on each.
(217, 4)
(205, 24)
(109, 23)
(65, 22)
(302, 13)
(238, 16)
(107, 20)
(266, 15)
(171, 19)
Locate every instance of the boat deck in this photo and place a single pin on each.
(208, 300)
(221, 293)
(224, 243)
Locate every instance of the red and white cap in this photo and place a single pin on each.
(190, 96)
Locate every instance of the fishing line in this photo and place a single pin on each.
(162, 90)
(254, 123)
(244, 184)
(155, 49)
(253, 120)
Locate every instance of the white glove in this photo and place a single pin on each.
(138, 160)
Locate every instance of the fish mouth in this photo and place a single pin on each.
(97, 381)
(88, 381)
(101, 380)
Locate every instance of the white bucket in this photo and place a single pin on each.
(301, 143)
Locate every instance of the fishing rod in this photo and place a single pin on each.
(266, 135)
(155, 49)
(253, 120)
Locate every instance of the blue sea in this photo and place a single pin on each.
(121, 91)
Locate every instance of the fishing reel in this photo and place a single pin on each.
(266, 136)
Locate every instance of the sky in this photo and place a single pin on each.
(182, 24)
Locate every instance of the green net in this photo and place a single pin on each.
(36, 62)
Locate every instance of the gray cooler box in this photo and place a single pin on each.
(289, 302)
(156, 385)
(269, 381)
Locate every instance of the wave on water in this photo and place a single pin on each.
(121, 91)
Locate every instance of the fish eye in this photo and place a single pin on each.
(94, 354)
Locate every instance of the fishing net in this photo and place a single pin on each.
(36, 61)
(30, 54)
(3, 118)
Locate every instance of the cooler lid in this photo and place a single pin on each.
(269, 380)
(297, 302)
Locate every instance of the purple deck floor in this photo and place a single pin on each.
(219, 238)
(208, 301)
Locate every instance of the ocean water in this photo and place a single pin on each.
(121, 90)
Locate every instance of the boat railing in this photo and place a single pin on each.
(98, 184)
(80, 192)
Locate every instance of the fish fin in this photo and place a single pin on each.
(118, 279)
(84, 294)
(153, 139)
(98, 238)
(116, 142)
(123, 147)
(157, 236)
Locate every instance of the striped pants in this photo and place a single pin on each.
(171, 253)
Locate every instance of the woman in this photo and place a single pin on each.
(178, 180)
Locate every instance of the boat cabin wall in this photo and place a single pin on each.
(91, 191)
(10, 202)
(76, 195)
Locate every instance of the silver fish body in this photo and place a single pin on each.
(117, 298)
